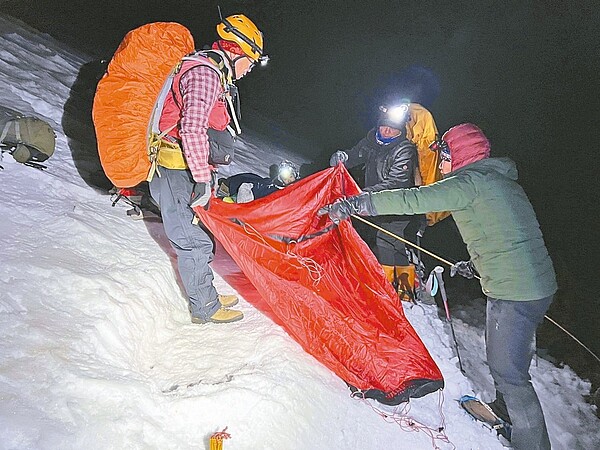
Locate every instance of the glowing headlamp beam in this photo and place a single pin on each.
(397, 113)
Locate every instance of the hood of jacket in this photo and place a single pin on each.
(467, 144)
(504, 166)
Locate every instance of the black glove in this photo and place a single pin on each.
(342, 209)
(464, 269)
(200, 195)
(338, 157)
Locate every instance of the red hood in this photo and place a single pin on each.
(467, 144)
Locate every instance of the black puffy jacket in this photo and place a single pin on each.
(389, 166)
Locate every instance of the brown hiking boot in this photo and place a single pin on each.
(227, 301)
(403, 280)
(221, 316)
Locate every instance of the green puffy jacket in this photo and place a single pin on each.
(497, 223)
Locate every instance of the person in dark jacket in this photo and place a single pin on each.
(246, 187)
(390, 161)
(503, 238)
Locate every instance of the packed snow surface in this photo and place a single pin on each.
(96, 346)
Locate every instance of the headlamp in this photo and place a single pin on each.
(286, 175)
(397, 113)
(441, 146)
(287, 172)
(263, 60)
(394, 116)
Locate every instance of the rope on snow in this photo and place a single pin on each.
(406, 423)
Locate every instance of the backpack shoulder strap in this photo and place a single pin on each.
(216, 59)
(216, 62)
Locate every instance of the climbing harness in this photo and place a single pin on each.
(162, 150)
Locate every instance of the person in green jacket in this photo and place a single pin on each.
(503, 238)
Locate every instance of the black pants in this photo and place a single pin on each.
(389, 250)
(235, 181)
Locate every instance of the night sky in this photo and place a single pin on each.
(525, 71)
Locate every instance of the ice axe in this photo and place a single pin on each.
(437, 272)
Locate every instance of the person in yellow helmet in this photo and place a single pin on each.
(199, 104)
(242, 38)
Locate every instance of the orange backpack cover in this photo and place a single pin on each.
(126, 95)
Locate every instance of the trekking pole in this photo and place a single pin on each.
(445, 261)
(420, 234)
(420, 266)
(438, 271)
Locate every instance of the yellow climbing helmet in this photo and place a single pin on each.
(241, 30)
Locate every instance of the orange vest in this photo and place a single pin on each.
(171, 114)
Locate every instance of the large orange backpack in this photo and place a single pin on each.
(422, 131)
(126, 95)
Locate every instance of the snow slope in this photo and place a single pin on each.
(96, 346)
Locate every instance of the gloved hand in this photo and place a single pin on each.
(338, 157)
(342, 209)
(200, 195)
(464, 269)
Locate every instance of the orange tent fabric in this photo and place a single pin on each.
(324, 285)
(125, 97)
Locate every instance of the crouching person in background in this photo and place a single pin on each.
(246, 187)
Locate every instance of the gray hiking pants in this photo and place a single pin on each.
(193, 246)
(510, 332)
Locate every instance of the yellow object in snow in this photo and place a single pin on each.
(216, 440)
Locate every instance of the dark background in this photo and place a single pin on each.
(525, 71)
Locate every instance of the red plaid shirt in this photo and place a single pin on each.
(200, 88)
